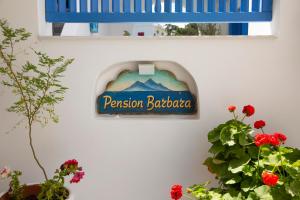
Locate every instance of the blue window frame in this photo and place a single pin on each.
(197, 11)
(57, 11)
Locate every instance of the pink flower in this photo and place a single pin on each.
(4, 173)
(77, 177)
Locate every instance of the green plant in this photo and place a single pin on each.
(192, 29)
(51, 189)
(54, 189)
(37, 87)
(209, 29)
(16, 189)
(250, 167)
(126, 33)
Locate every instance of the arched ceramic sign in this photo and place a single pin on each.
(158, 93)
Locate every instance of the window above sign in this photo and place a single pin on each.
(147, 89)
(157, 18)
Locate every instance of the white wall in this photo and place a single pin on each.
(139, 159)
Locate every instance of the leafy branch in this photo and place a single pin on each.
(37, 86)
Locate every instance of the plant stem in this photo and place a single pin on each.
(234, 116)
(279, 170)
(188, 196)
(259, 151)
(29, 113)
(279, 150)
(33, 151)
(243, 118)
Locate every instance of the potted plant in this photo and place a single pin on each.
(50, 189)
(247, 166)
(38, 88)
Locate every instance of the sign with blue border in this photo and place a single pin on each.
(160, 93)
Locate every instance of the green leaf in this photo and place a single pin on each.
(218, 169)
(213, 135)
(244, 139)
(235, 151)
(216, 148)
(237, 165)
(2, 70)
(227, 196)
(293, 188)
(199, 191)
(252, 196)
(263, 192)
(218, 162)
(272, 160)
(293, 156)
(248, 185)
(249, 170)
(293, 172)
(59, 70)
(296, 164)
(279, 193)
(233, 195)
(266, 151)
(227, 136)
(285, 150)
(253, 151)
(234, 180)
(214, 195)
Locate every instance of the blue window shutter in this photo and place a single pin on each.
(238, 29)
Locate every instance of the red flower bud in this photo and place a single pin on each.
(231, 108)
(176, 192)
(269, 178)
(259, 124)
(248, 110)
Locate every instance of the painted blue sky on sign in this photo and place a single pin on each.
(161, 80)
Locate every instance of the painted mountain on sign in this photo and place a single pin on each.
(149, 85)
(161, 80)
(156, 86)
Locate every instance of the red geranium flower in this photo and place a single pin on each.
(280, 137)
(231, 108)
(176, 192)
(269, 178)
(259, 124)
(77, 177)
(274, 140)
(70, 164)
(261, 139)
(264, 139)
(248, 110)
